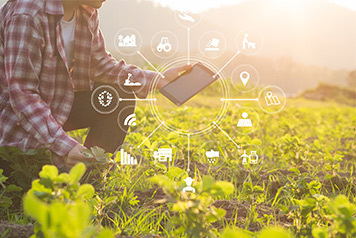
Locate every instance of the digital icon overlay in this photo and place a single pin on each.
(129, 83)
(189, 188)
(244, 76)
(249, 159)
(105, 99)
(212, 156)
(130, 120)
(163, 154)
(127, 159)
(127, 41)
(272, 99)
(164, 45)
(213, 45)
(244, 122)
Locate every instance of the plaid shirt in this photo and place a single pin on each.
(36, 86)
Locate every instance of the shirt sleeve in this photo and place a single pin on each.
(23, 60)
(105, 68)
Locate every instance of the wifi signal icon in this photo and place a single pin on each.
(130, 120)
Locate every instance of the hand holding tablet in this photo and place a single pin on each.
(187, 85)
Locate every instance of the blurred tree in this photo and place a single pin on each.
(351, 79)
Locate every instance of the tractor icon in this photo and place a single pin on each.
(164, 45)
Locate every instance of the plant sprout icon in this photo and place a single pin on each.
(105, 98)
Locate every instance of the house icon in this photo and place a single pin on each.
(127, 41)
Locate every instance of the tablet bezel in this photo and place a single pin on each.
(173, 99)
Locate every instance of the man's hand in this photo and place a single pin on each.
(171, 74)
(75, 156)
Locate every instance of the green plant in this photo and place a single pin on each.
(6, 191)
(25, 165)
(61, 206)
(194, 215)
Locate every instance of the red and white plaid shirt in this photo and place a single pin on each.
(36, 88)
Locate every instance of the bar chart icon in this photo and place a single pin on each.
(127, 159)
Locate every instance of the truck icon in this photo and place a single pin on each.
(163, 154)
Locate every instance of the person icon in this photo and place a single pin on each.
(247, 44)
(129, 83)
(245, 122)
(189, 187)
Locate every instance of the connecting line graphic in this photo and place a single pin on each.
(151, 134)
(239, 99)
(226, 134)
(232, 58)
(188, 153)
(160, 74)
(188, 30)
(137, 99)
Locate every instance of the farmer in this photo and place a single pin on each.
(52, 56)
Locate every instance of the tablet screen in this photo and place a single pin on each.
(188, 84)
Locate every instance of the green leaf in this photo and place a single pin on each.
(320, 232)
(226, 187)
(49, 171)
(13, 188)
(76, 173)
(235, 233)
(105, 233)
(275, 232)
(35, 208)
(87, 153)
(31, 152)
(5, 201)
(110, 200)
(86, 190)
(294, 170)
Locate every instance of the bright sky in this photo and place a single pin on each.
(202, 5)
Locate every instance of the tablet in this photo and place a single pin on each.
(187, 85)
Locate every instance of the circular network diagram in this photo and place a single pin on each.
(245, 79)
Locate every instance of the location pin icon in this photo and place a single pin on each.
(244, 76)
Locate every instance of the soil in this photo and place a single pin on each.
(15, 230)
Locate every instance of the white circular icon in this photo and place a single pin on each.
(245, 120)
(105, 99)
(128, 41)
(212, 154)
(164, 44)
(131, 119)
(212, 44)
(177, 119)
(249, 41)
(188, 19)
(272, 99)
(245, 78)
(249, 157)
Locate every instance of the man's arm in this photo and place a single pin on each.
(23, 60)
(105, 68)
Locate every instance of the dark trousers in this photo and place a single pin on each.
(104, 130)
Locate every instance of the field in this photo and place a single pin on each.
(304, 185)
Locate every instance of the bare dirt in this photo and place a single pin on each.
(10, 230)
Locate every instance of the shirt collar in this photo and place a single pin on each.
(54, 7)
